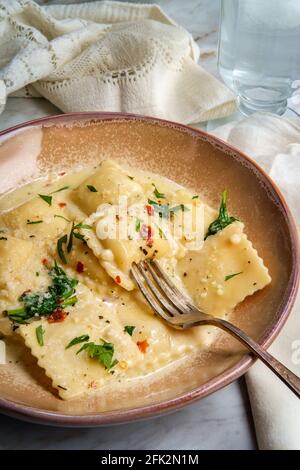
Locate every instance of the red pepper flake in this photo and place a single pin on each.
(149, 209)
(79, 267)
(62, 173)
(118, 280)
(150, 242)
(147, 233)
(57, 316)
(62, 204)
(143, 345)
(92, 384)
(45, 262)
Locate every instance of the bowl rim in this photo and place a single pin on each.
(54, 418)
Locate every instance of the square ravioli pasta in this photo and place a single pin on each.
(74, 374)
(22, 268)
(36, 219)
(224, 272)
(136, 216)
(65, 283)
(106, 185)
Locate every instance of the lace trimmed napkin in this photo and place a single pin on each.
(106, 56)
(274, 143)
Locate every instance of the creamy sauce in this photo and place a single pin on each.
(108, 300)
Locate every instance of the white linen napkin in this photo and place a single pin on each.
(274, 143)
(106, 56)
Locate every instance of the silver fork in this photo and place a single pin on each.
(177, 310)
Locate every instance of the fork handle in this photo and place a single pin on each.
(286, 375)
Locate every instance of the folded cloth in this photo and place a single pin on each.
(274, 143)
(107, 56)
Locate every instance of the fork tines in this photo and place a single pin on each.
(162, 295)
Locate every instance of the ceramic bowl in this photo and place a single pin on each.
(201, 162)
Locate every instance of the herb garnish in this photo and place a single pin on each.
(69, 241)
(129, 329)
(3, 238)
(131, 177)
(195, 197)
(81, 225)
(138, 224)
(34, 222)
(164, 210)
(161, 233)
(61, 217)
(60, 189)
(78, 340)
(157, 193)
(76, 234)
(102, 352)
(230, 276)
(59, 295)
(39, 332)
(178, 208)
(223, 218)
(60, 250)
(47, 199)
(92, 188)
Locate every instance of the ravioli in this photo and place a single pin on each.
(224, 272)
(75, 374)
(116, 254)
(160, 221)
(21, 268)
(35, 219)
(106, 185)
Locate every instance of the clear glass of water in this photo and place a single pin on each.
(259, 52)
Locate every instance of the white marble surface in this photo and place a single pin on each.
(220, 421)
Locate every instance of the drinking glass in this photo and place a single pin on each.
(259, 52)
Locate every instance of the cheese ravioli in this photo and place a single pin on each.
(65, 282)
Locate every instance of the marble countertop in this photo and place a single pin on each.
(220, 421)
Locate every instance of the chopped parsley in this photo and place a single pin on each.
(195, 197)
(157, 193)
(61, 217)
(34, 222)
(37, 304)
(81, 225)
(78, 340)
(60, 249)
(60, 189)
(223, 218)
(69, 240)
(102, 352)
(178, 208)
(230, 276)
(76, 234)
(138, 224)
(164, 210)
(131, 177)
(39, 332)
(3, 238)
(161, 233)
(92, 188)
(47, 199)
(129, 329)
